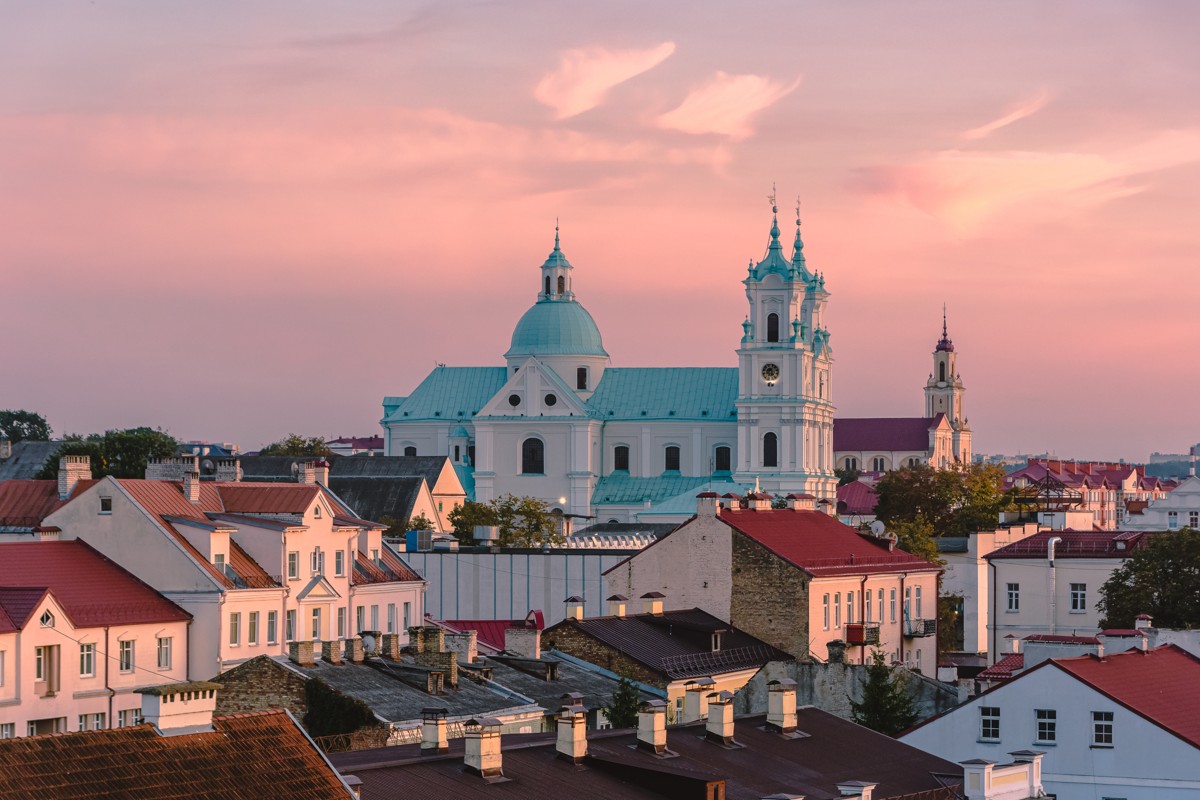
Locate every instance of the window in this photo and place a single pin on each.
(317, 561)
(878, 464)
(125, 655)
(289, 624)
(917, 593)
(341, 623)
(825, 611)
(772, 327)
(7, 730)
(164, 652)
(989, 723)
(127, 717)
(1102, 729)
(252, 628)
(374, 618)
(1172, 520)
(360, 619)
(770, 450)
(893, 605)
(562, 284)
(91, 722)
(457, 453)
(837, 609)
(867, 606)
(316, 623)
(272, 627)
(722, 459)
(410, 451)
(87, 660)
(852, 463)
(942, 372)
(581, 378)
(546, 283)
(105, 505)
(316, 512)
(881, 606)
(1078, 598)
(1014, 597)
(908, 602)
(621, 458)
(1047, 721)
(293, 565)
(407, 615)
(219, 562)
(375, 554)
(671, 461)
(391, 618)
(533, 457)
(849, 606)
(2, 654)
(47, 619)
(235, 629)
(1194, 520)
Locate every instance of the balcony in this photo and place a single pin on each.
(918, 628)
(862, 633)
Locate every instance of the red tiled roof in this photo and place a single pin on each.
(26, 503)
(1156, 684)
(165, 498)
(91, 589)
(1076, 544)
(883, 433)
(490, 632)
(247, 757)
(248, 569)
(391, 568)
(1003, 669)
(856, 497)
(1058, 639)
(267, 498)
(16, 604)
(819, 544)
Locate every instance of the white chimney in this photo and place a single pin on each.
(321, 472)
(72, 470)
(616, 605)
(861, 789)
(571, 722)
(759, 501)
(707, 504)
(720, 718)
(574, 607)
(178, 708)
(483, 755)
(523, 642)
(433, 730)
(652, 726)
(652, 603)
(802, 502)
(781, 705)
(48, 533)
(229, 470)
(1143, 622)
(695, 698)
(191, 486)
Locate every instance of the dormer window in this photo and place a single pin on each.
(716, 641)
(47, 619)
(105, 505)
(316, 512)
(219, 562)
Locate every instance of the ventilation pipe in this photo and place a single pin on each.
(1050, 547)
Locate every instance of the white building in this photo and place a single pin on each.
(78, 635)
(1112, 726)
(1178, 509)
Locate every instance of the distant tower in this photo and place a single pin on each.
(944, 393)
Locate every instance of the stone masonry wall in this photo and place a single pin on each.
(770, 597)
(258, 685)
(574, 642)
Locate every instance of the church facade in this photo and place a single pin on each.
(560, 423)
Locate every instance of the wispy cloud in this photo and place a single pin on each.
(725, 105)
(584, 77)
(1020, 111)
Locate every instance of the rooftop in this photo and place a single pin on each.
(1076, 544)
(857, 434)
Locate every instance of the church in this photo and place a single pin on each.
(560, 423)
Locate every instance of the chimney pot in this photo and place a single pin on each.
(574, 607)
(720, 718)
(433, 730)
(571, 722)
(781, 705)
(483, 752)
(695, 698)
(652, 726)
(652, 603)
(616, 605)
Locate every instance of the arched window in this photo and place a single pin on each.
(562, 284)
(772, 327)
(410, 451)
(852, 463)
(914, 462)
(942, 372)
(878, 464)
(533, 457)
(581, 378)
(672, 459)
(722, 459)
(547, 284)
(621, 458)
(770, 450)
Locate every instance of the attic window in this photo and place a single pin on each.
(716, 641)
(316, 512)
(47, 619)
(105, 505)
(514, 400)
(551, 400)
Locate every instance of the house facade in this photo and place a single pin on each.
(1178, 509)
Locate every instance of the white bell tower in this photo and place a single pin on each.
(944, 393)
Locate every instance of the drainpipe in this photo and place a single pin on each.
(108, 688)
(903, 614)
(862, 605)
(992, 611)
(1050, 545)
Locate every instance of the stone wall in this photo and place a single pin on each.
(258, 685)
(567, 638)
(770, 597)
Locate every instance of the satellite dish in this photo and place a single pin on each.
(295, 468)
(207, 464)
(878, 528)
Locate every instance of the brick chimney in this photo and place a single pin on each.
(524, 642)
(781, 706)
(433, 729)
(72, 470)
(171, 468)
(571, 722)
(837, 651)
(616, 605)
(652, 726)
(354, 650)
(652, 603)
(306, 473)
(802, 502)
(332, 651)
(574, 607)
(720, 718)
(191, 486)
(695, 698)
(176, 708)
(301, 653)
(707, 504)
(229, 470)
(321, 472)
(465, 645)
(5, 446)
(390, 646)
(483, 754)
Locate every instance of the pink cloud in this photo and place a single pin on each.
(584, 77)
(1020, 111)
(726, 105)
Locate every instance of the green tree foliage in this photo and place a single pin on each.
(467, 516)
(846, 475)
(296, 445)
(955, 502)
(1161, 579)
(21, 426)
(525, 522)
(622, 708)
(331, 713)
(916, 537)
(885, 706)
(418, 523)
(119, 453)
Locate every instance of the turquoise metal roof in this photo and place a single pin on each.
(556, 327)
(691, 393)
(466, 476)
(685, 503)
(451, 393)
(624, 490)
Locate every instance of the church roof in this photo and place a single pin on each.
(556, 327)
(691, 393)
(625, 490)
(451, 393)
(684, 504)
(883, 434)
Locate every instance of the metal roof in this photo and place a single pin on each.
(556, 327)
(685, 393)
(625, 490)
(450, 393)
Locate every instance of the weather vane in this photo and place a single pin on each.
(797, 211)
(771, 197)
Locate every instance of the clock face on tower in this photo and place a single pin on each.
(770, 373)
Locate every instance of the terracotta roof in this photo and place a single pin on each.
(248, 756)
(270, 498)
(819, 544)
(883, 433)
(1076, 544)
(25, 503)
(1051, 638)
(856, 497)
(16, 604)
(490, 632)
(92, 590)
(390, 568)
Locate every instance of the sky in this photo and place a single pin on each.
(239, 220)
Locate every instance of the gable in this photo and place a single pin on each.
(534, 390)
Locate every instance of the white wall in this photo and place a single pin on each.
(968, 576)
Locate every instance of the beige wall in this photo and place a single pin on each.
(921, 589)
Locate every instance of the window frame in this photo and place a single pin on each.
(672, 453)
(825, 610)
(272, 627)
(621, 455)
(533, 458)
(293, 565)
(1103, 728)
(289, 625)
(1045, 726)
(1012, 593)
(235, 629)
(989, 723)
(126, 655)
(87, 660)
(252, 628)
(1078, 598)
(772, 450)
(164, 646)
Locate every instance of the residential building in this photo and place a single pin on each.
(180, 752)
(1113, 725)
(795, 578)
(78, 635)
(1105, 490)
(1178, 509)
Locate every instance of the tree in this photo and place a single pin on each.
(885, 706)
(846, 475)
(916, 537)
(466, 517)
(296, 445)
(955, 502)
(22, 426)
(525, 522)
(119, 453)
(418, 523)
(1161, 579)
(622, 708)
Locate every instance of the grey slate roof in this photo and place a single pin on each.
(596, 687)
(376, 498)
(427, 467)
(27, 459)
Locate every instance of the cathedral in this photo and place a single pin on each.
(621, 444)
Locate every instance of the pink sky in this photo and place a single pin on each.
(235, 222)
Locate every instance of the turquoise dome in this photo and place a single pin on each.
(556, 327)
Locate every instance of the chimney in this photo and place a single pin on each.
(652, 726)
(616, 605)
(465, 645)
(837, 651)
(172, 468)
(1143, 622)
(483, 755)
(977, 778)
(571, 722)
(301, 653)
(759, 501)
(177, 708)
(321, 472)
(1033, 761)
(5, 445)
(720, 718)
(522, 641)
(433, 729)
(1014, 644)
(72, 470)
(306, 473)
(574, 607)
(802, 502)
(707, 504)
(390, 646)
(652, 603)
(191, 486)
(695, 698)
(860, 789)
(48, 533)
(229, 470)
(354, 650)
(332, 651)
(781, 706)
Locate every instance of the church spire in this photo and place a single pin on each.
(798, 261)
(773, 261)
(775, 245)
(945, 345)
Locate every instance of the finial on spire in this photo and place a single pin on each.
(944, 332)
(945, 345)
(774, 217)
(556, 234)
(797, 215)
